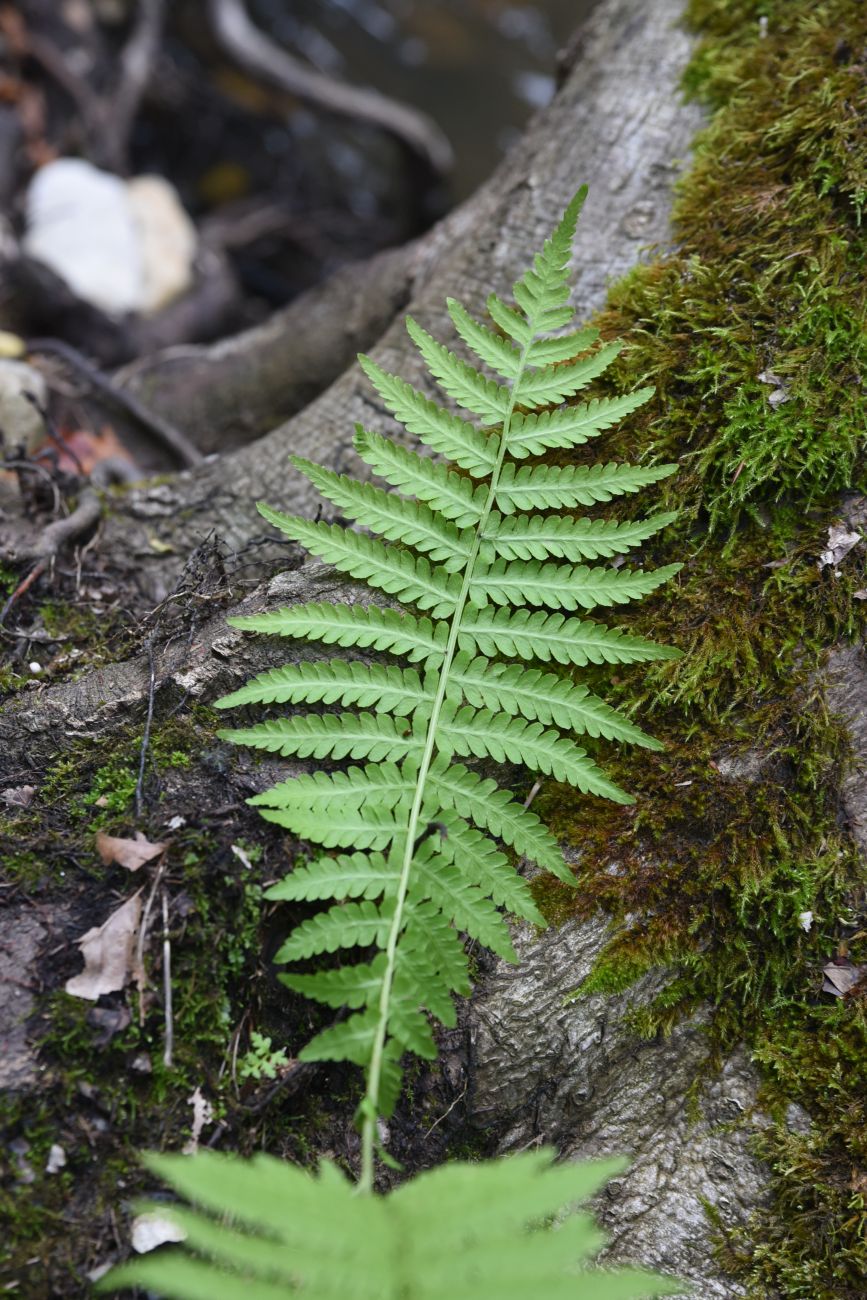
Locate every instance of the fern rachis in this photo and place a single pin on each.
(415, 833)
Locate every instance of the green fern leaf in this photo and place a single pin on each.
(392, 516)
(530, 634)
(392, 570)
(467, 386)
(347, 926)
(383, 784)
(456, 439)
(436, 878)
(481, 801)
(537, 431)
(333, 681)
(512, 322)
(355, 875)
(563, 347)
(559, 586)
(357, 828)
(483, 863)
(429, 931)
(482, 734)
(488, 347)
(329, 735)
(264, 1229)
(536, 537)
(559, 487)
(554, 383)
(542, 292)
(542, 697)
(452, 496)
(367, 627)
(347, 986)
(352, 1040)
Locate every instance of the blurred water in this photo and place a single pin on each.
(479, 67)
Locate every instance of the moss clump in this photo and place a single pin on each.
(737, 832)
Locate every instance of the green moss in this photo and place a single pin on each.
(716, 865)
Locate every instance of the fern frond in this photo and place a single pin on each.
(390, 569)
(537, 431)
(347, 828)
(492, 1231)
(463, 903)
(555, 383)
(533, 634)
(330, 735)
(369, 627)
(563, 347)
(448, 493)
(349, 875)
(391, 516)
(469, 388)
(561, 487)
(559, 586)
(481, 801)
(511, 322)
(482, 863)
(542, 292)
(332, 681)
(383, 784)
(347, 986)
(456, 439)
(348, 926)
(542, 697)
(483, 734)
(488, 347)
(430, 932)
(536, 537)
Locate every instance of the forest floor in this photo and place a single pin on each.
(752, 332)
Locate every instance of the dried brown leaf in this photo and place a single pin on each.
(108, 951)
(131, 854)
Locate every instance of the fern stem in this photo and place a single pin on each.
(370, 1105)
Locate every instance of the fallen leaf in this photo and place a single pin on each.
(18, 796)
(840, 543)
(203, 1113)
(152, 1230)
(841, 977)
(131, 854)
(108, 951)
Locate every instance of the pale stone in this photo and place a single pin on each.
(167, 239)
(20, 421)
(80, 223)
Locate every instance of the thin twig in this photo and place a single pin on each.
(146, 734)
(167, 985)
(142, 939)
(448, 1112)
(534, 790)
(166, 433)
(36, 572)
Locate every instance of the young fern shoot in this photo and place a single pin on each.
(482, 573)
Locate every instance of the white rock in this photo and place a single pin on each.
(167, 239)
(152, 1230)
(19, 419)
(56, 1159)
(80, 223)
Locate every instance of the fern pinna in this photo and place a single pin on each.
(484, 575)
(468, 548)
